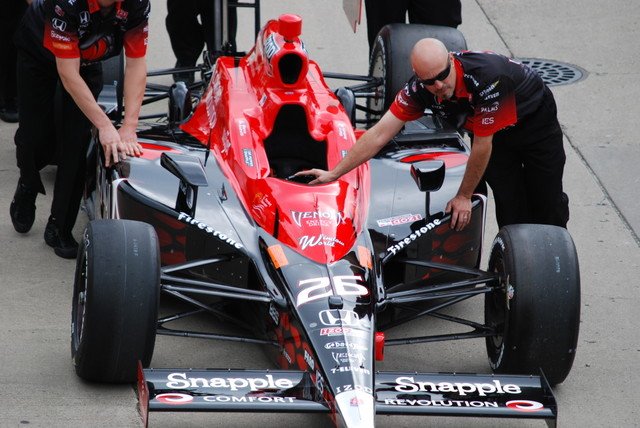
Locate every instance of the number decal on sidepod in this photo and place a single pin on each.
(318, 288)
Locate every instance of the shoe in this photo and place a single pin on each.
(63, 243)
(184, 76)
(9, 112)
(23, 208)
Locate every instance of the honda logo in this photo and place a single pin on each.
(59, 24)
(341, 317)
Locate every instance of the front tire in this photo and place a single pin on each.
(115, 300)
(535, 308)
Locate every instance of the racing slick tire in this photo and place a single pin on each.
(389, 58)
(535, 308)
(115, 300)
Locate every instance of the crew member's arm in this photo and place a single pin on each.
(460, 205)
(364, 149)
(114, 148)
(134, 86)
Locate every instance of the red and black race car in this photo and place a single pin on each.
(212, 215)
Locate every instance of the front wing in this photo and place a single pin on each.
(442, 394)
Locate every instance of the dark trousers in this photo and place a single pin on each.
(526, 167)
(188, 35)
(432, 12)
(51, 121)
(12, 11)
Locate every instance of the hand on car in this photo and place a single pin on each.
(321, 176)
(118, 144)
(460, 209)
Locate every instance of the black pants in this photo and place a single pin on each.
(188, 35)
(526, 167)
(12, 11)
(433, 12)
(50, 120)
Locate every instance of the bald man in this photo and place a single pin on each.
(512, 117)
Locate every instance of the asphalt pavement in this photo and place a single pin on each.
(38, 387)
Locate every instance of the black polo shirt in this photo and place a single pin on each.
(494, 92)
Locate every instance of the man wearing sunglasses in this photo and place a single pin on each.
(510, 114)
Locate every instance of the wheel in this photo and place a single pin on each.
(535, 307)
(390, 58)
(115, 300)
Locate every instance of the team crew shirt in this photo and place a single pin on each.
(78, 29)
(493, 92)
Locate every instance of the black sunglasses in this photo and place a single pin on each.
(439, 77)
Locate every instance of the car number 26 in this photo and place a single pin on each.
(318, 288)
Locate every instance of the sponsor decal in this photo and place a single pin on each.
(319, 383)
(342, 130)
(58, 36)
(408, 384)
(84, 18)
(261, 202)
(232, 399)
(350, 369)
(492, 96)
(473, 79)
(315, 241)
(415, 235)
(203, 226)
(345, 388)
(71, 2)
(242, 127)
(488, 120)
(58, 24)
(58, 10)
(248, 157)
(62, 46)
(337, 317)
(355, 358)
(439, 403)
(343, 153)
(309, 360)
(490, 108)
(273, 313)
(524, 405)
(270, 47)
(181, 381)
(174, 398)
(320, 288)
(342, 331)
(399, 219)
(355, 402)
(345, 345)
(315, 218)
(286, 355)
(489, 88)
(122, 15)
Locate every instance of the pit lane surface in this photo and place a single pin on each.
(38, 387)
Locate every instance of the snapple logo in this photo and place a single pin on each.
(408, 384)
(181, 381)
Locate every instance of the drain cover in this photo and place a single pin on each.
(553, 72)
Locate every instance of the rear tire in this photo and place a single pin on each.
(536, 307)
(115, 300)
(390, 58)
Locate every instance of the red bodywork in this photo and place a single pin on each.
(238, 112)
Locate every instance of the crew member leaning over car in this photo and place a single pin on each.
(512, 117)
(64, 41)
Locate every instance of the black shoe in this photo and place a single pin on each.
(9, 112)
(63, 243)
(23, 208)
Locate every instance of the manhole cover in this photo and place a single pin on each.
(553, 72)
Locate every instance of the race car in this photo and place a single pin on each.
(214, 215)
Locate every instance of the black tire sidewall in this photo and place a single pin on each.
(121, 303)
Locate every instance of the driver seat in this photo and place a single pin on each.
(290, 148)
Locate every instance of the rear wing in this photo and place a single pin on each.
(436, 394)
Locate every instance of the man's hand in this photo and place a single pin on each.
(460, 209)
(129, 139)
(321, 176)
